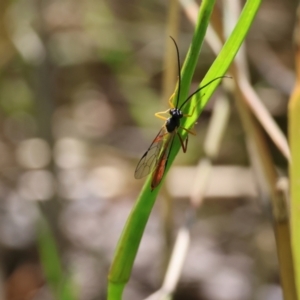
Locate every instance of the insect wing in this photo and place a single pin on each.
(162, 161)
(151, 157)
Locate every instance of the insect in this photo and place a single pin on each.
(156, 157)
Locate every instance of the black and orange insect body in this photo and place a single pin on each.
(155, 159)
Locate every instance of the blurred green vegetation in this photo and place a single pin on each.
(80, 82)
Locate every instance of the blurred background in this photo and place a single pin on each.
(80, 82)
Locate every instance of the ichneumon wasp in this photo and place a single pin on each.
(156, 157)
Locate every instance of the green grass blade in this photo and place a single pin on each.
(134, 228)
(294, 125)
(50, 260)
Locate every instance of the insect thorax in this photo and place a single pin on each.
(174, 121)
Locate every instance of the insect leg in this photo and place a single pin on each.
(171, 101)
(159, 114)
(189, 115)
(183, 143)
(191, 131)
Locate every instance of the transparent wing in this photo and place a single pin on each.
(150, 159)
(162, 161)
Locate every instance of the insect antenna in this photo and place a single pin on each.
(199, 89)
(179, 74)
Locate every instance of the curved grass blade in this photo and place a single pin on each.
(133, 231)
